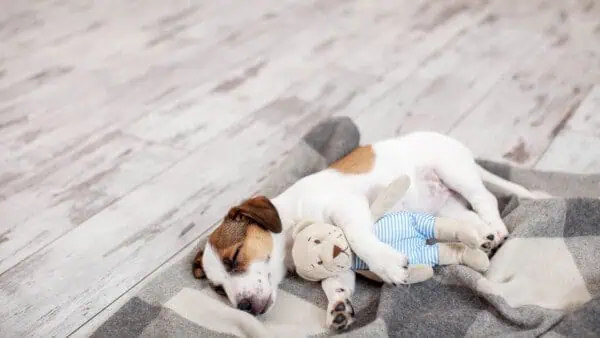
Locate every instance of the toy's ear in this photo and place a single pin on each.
(299, 227)
(390, 195)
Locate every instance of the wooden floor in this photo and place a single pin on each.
(128, 127)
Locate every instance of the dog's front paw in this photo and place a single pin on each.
(482, 239)
(340, 315)
(389, 265)
(500, 236)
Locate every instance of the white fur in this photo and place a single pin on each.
(342, 199)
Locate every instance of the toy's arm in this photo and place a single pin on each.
(352, 214)
(447, 229)
(389, 196)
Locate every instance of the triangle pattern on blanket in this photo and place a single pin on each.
(536, 271)
(291, 316)
(584, 250)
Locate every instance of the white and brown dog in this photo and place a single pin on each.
(248, 254)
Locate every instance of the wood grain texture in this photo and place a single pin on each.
(95, 178)
(66, 205)
(527, 109)
(572, 152)
(586, 118)
(576, 148)
(128, 128)
(118, 92)
(451, 82)
(150, 223)
(532, 103)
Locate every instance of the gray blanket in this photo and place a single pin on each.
(545, 281)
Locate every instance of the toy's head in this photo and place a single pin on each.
(320, 250)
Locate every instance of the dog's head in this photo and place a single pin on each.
(241, 259)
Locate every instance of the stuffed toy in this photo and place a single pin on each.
(321, 250)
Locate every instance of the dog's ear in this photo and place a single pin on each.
(197, 268)
(260, 210)
(299, 227)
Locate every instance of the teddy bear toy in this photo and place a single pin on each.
(320, 250)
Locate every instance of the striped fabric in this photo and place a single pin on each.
(408, 233)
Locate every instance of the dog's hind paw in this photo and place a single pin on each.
(477, 236)
(340, 315)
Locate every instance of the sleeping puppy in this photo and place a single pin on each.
(248, 254)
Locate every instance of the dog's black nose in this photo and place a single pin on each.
(245, 305)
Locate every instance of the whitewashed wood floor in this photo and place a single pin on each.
(128, 127)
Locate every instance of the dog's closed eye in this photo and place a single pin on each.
(218, 289)
(231, 263)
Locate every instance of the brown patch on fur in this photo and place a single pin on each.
(197, 268)
(253, 241)
(246, 229)
(256, 247)
(254, 211)
(361, 160)
(229, 234)
(260, 210)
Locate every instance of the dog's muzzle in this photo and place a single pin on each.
(255, 306)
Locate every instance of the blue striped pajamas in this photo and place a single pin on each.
(408, 233)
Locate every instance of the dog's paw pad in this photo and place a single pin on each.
(340, 307)
(487, 245)
(340, 319)
(499, 238)
(483, 242)
(492, 250)
(341, 315)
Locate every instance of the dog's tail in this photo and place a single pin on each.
(507, 187)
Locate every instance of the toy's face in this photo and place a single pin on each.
(320, 251)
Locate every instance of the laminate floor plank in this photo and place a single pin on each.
(138, 232)
(127, 129)
(576, 148)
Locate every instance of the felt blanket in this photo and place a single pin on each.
(544, 281)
